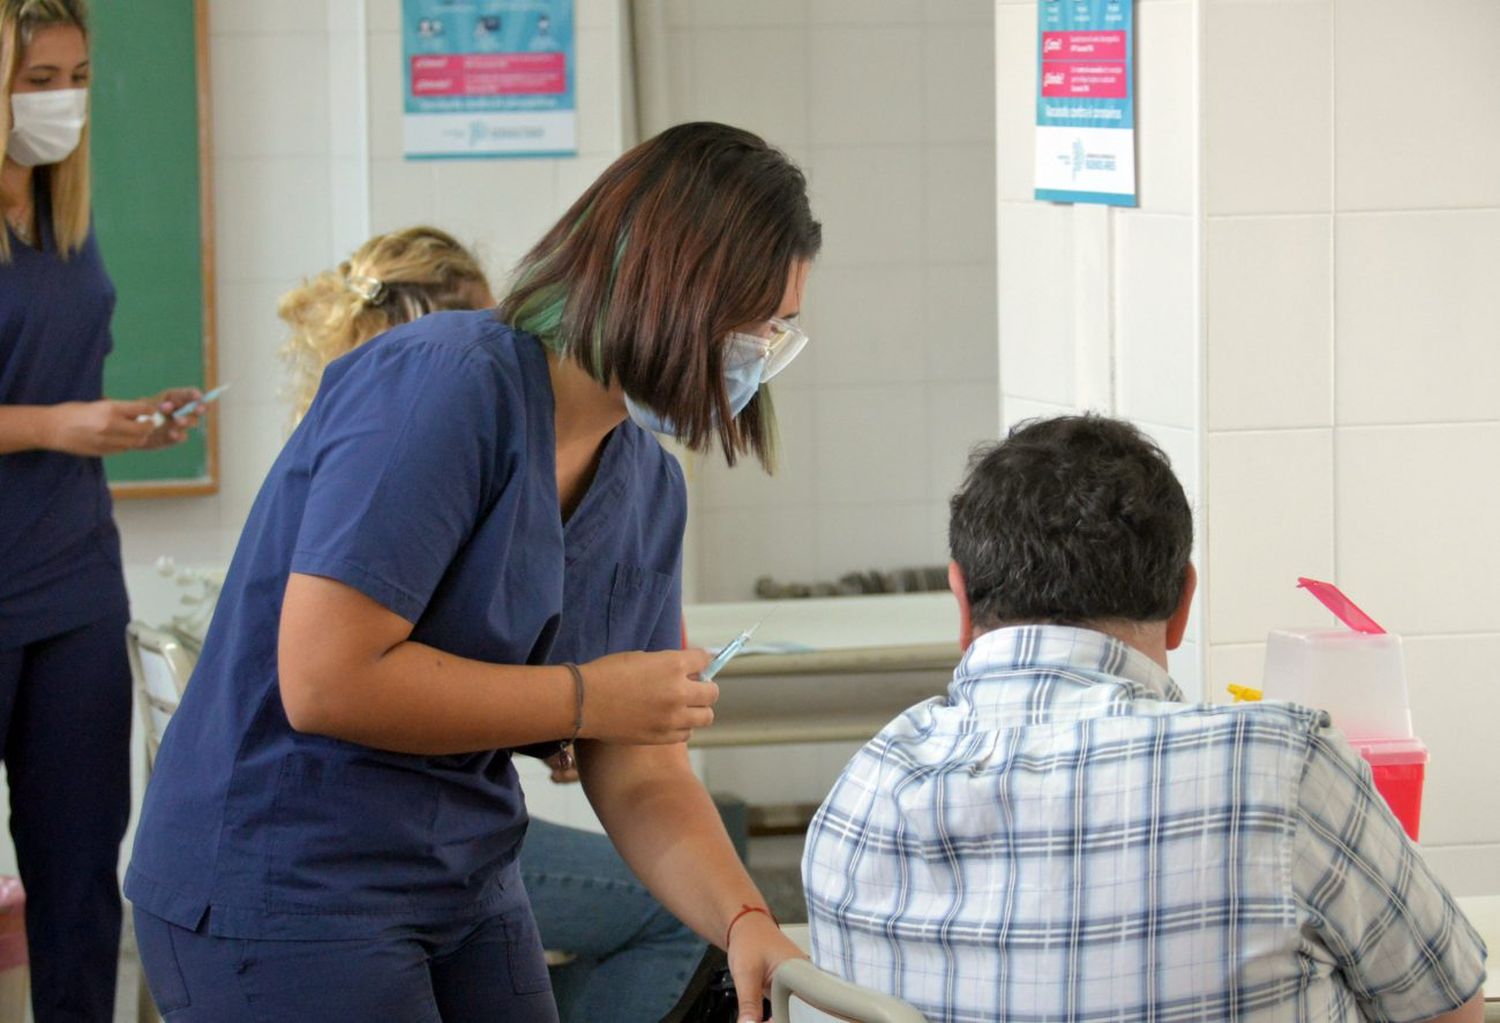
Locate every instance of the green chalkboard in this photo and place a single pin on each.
(153, 215)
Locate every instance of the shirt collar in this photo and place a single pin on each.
(1085, 653)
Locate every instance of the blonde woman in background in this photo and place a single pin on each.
(64, 680)
(633, 958)
(391, 279)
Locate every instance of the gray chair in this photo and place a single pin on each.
(802, 993)
(161, 667)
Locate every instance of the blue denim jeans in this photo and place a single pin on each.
(634, 957)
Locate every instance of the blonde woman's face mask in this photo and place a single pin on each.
(49, 98)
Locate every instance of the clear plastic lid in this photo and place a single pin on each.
(1391, 752)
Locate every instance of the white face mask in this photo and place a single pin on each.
(46, 126)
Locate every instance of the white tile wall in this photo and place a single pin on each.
(402, 193)
(1270, 322)
(960, 417)
(971, 12)
(871, 323)
(1016, 409)
(736, 14)
(1416, 343)
(1239, 664)
(271, 94)
(873, 447)
(1368, 109)
(1185, 665)
(1347, 362)
(273, 218)
(1166, 139)
(745, 486)
(881, 106)
(738, 545)
(870, 200)
(249, 336)
(1416, 86)
(1015, 102)
(1417, 513)
(889, 105)
(601, 108)
(501, 206)
(1156, 375)
(852, 537)
(385, 90)
(958, 86)
(1036, 308)
(959, 322)
(1454, 683)
(959, 187)
(269, 17)
(1181, 447)
(1268, 107)
(755, 78)
(1270, 520)
(865, 12)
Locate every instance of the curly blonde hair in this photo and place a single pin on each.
(390, 280)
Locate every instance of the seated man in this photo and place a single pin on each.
(1063, 838)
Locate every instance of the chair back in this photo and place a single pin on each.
(802, 993)
(161, 668)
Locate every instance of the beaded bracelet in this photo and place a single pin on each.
(567, 760)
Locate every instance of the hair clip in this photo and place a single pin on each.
(371, 289)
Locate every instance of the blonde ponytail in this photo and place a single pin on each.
(392, 279)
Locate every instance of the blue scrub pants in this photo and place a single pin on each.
(65, 739)
(487, 972)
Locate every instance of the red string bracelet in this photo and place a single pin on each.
(745, 911)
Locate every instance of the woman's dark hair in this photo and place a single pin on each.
(1071, 520)
(685, 237)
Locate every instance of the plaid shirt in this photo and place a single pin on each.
(1062, 838)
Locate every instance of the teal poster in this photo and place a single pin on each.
(1085, 111)
(489, 78)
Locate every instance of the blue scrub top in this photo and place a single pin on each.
(59, 550)
(424, 477)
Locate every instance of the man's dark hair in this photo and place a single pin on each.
(1071, 520)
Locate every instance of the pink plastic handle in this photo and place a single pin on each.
(1344, 609)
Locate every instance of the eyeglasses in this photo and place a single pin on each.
(778, 349)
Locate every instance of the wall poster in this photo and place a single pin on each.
(1085, 104)
(489, 78)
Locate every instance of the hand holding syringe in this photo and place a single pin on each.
(194, 407)
(730, 650)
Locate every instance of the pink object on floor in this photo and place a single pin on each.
(12, 924)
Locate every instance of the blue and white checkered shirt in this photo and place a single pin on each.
(1062, 838)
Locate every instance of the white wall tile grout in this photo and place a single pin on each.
(1421, 424)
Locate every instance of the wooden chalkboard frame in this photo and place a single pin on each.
(209, 483)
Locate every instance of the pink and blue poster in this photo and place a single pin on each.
(1085, 106)
(489, 78)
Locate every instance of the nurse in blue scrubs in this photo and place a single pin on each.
(471, 545)
(64, 680)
